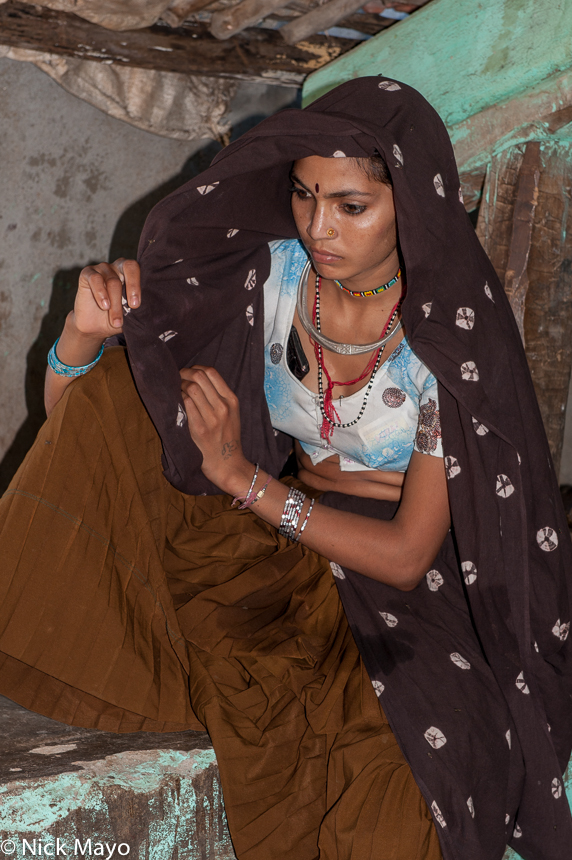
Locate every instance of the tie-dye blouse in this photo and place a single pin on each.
(402, 412)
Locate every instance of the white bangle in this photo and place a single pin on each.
(306, 518)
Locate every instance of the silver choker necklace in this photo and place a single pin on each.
(326, 342)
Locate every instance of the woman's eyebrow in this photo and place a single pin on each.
(349, 192)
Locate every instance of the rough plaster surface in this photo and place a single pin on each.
(76, 187)
(185, 107)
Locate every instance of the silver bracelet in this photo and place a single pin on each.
(64, 369)
(247, 501)
(306, 518)
(291, 514)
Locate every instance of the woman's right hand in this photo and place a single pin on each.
(98, 310)
(97, 315)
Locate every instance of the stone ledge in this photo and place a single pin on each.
(146, 795)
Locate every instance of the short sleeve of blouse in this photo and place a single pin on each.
(428, 435)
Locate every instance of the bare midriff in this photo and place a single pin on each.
(327, 476)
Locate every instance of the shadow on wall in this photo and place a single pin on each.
(123, 244)
(61, 303)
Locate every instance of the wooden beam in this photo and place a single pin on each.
(228, 22)
(256, 54)
(364, 22)
(467, 55)
(318, 19)
(536, 114)
(525, 226)
(516, 276)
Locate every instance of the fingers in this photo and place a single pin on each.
(105, 285)
(194, 418)
(211, 381)
(130, 273)
(209, 393)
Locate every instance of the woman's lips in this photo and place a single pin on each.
(324, 257)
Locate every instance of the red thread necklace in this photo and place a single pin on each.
(327, 408)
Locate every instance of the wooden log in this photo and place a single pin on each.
(516, 275)
(365, 22)
(258, 55)
(228, 22)
(318, 19)
(525, 226)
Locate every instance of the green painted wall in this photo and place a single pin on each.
(463, 55)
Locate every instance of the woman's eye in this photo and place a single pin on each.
(353, 208)
(301, 192)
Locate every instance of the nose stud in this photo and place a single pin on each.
(330, 232)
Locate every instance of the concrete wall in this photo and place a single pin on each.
(76, 187)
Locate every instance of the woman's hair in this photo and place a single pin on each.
(374, 168)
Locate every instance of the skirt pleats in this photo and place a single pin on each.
(129, 606)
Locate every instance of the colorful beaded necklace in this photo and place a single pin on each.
(382, 289)
(327, 408)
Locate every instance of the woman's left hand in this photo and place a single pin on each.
(213, 415)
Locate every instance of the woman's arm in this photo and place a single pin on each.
(97, 315)
(397, 552)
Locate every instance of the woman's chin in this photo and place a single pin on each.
(331, 271)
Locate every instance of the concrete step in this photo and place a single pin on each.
(72, 792)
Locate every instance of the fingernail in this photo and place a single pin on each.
(117, 323)
(134, 301)
(105, 304)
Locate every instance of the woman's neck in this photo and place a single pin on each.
(351, 319)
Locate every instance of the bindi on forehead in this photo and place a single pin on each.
(317, 188)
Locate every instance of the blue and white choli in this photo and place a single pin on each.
(402, 411)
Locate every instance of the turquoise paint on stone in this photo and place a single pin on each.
(462, 55)
(29, 804)
(175, 797)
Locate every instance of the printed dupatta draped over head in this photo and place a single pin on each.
(473, 667)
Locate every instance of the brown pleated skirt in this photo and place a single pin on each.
(128, 606)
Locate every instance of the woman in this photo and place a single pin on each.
(162, 587)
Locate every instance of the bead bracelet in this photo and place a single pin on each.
(291, 514)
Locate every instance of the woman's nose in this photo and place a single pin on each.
(318, 226)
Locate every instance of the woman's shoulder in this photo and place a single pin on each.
(405, 363)
(287, 253)
(288, 260)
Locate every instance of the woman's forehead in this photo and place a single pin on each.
(334, 168)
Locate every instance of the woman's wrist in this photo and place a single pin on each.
(236, 480)
(75, 348)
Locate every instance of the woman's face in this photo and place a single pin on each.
(345, 220)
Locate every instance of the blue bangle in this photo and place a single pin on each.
(65, 369)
